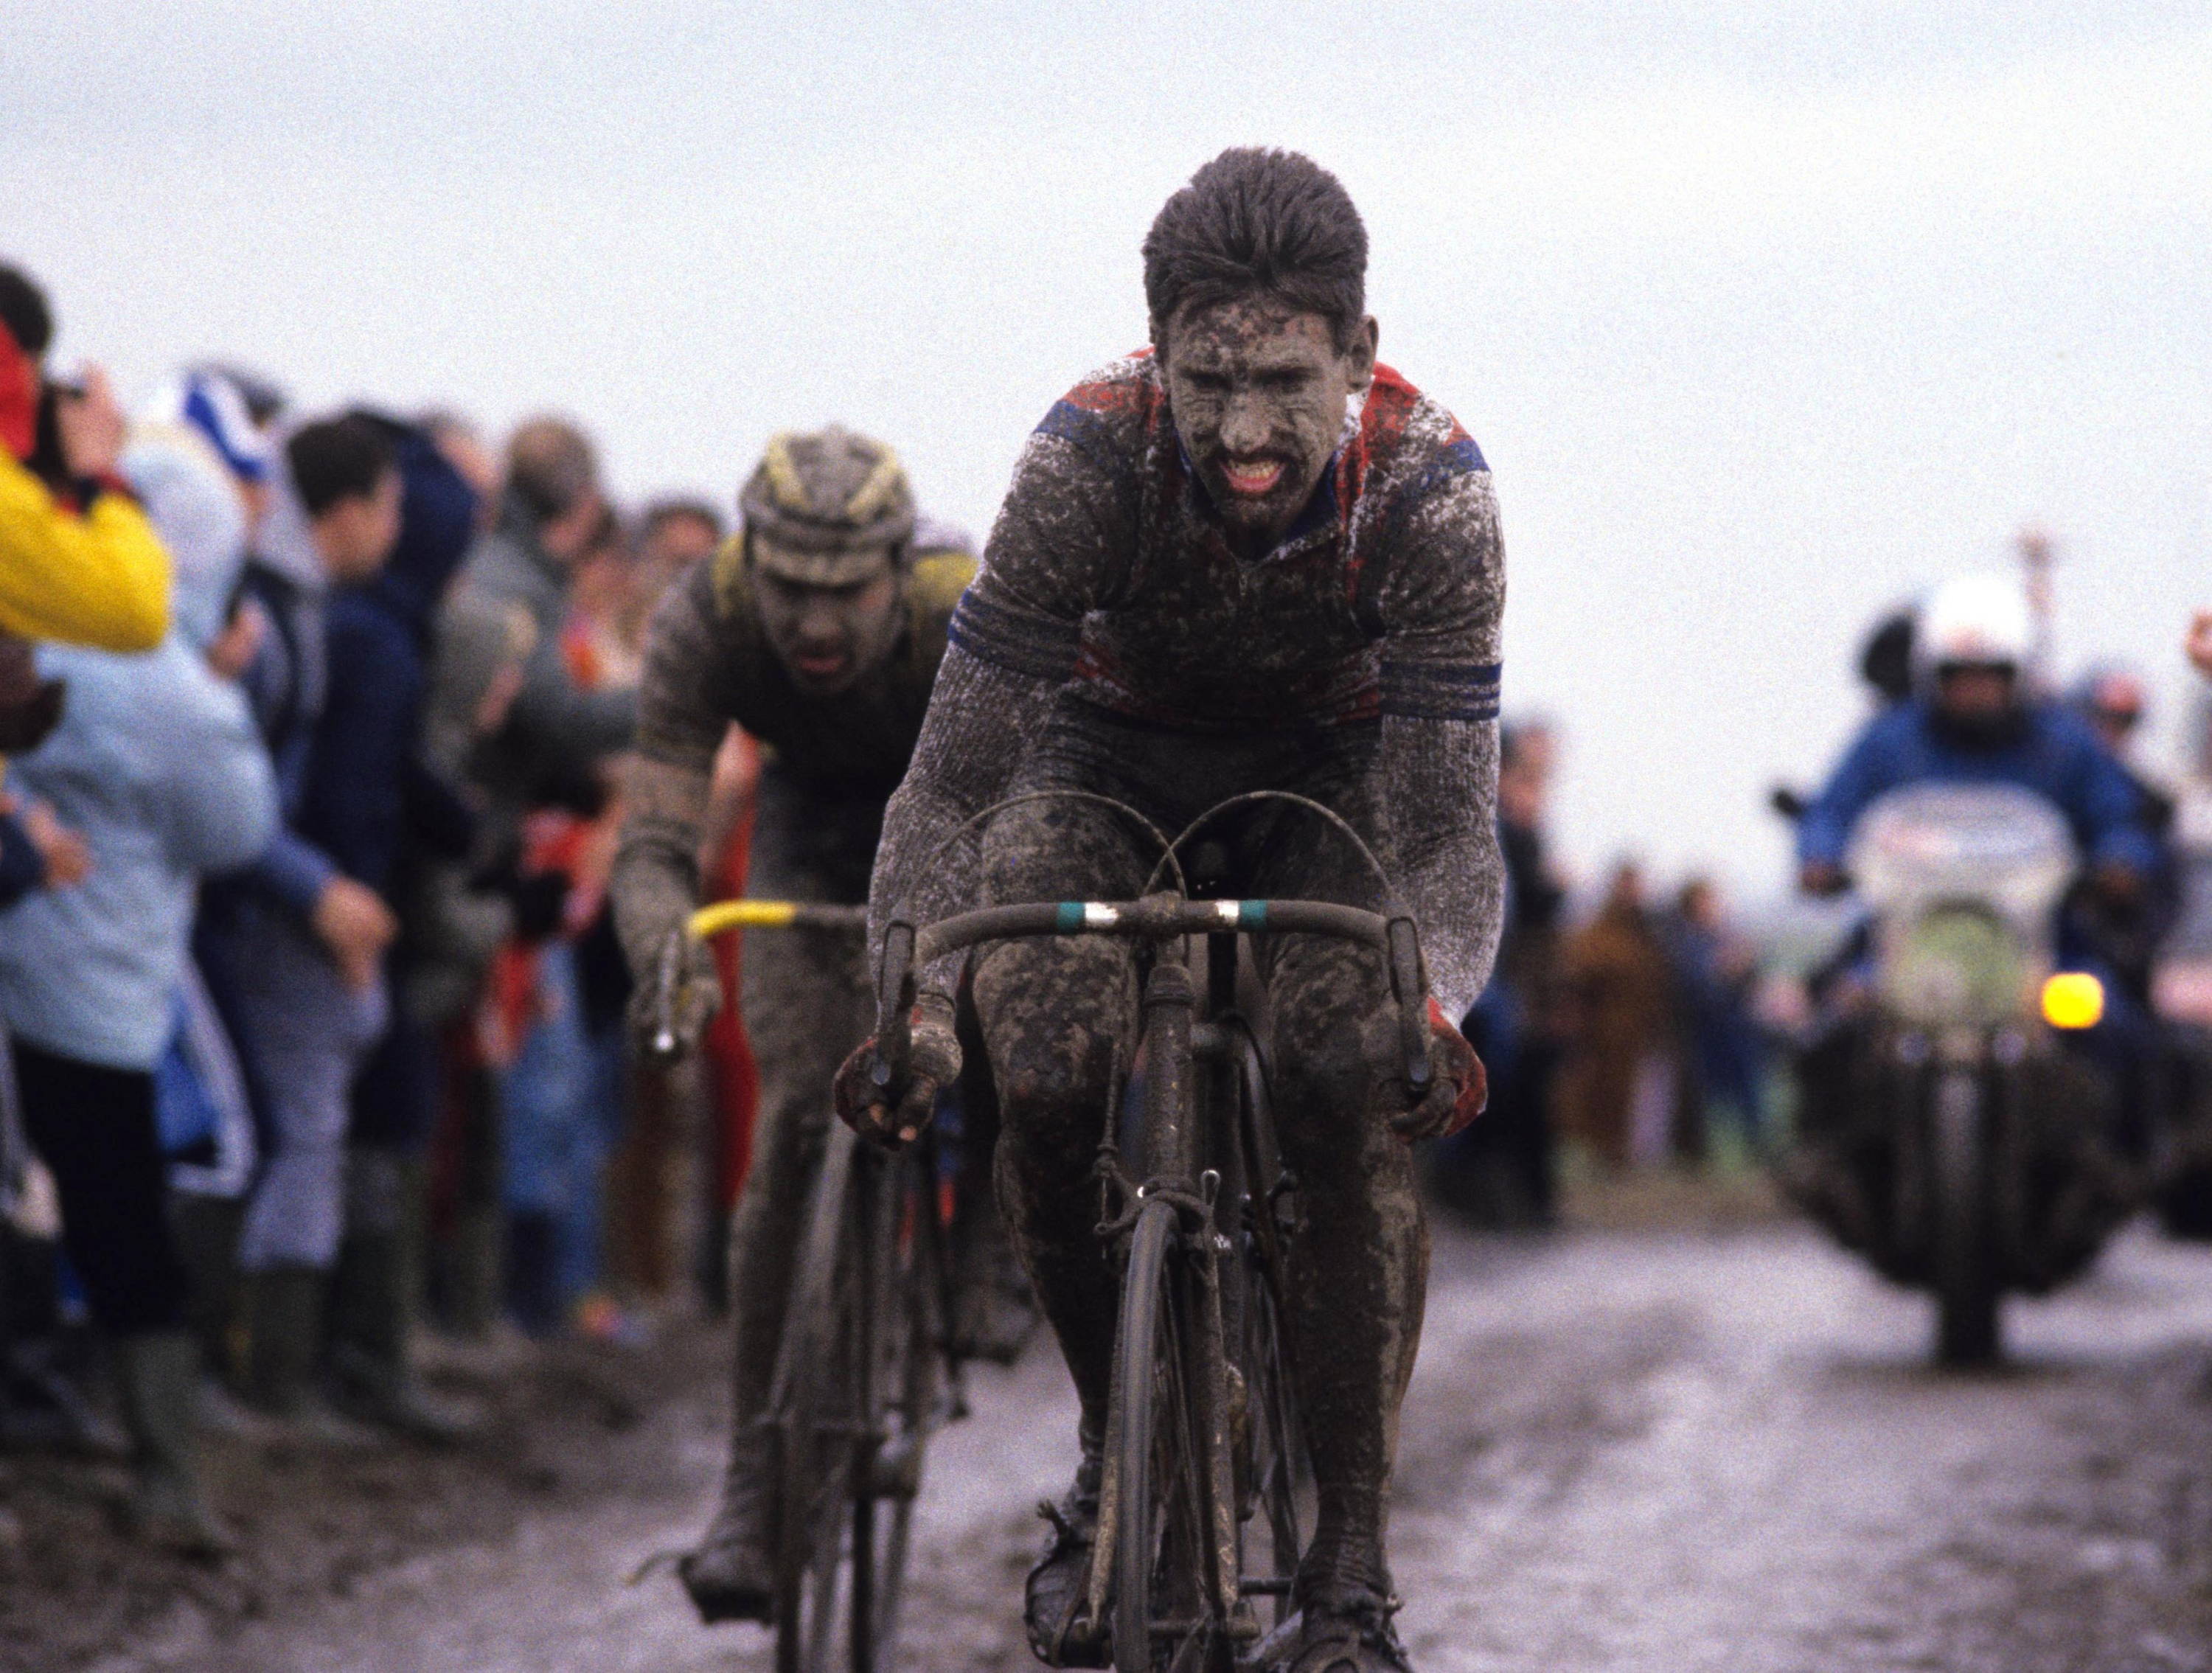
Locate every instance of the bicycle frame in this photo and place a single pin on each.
(866, 1208)
(1166, 1222)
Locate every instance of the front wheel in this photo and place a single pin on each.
(859, 1391)
(1965, 1265)
(1163, 1463)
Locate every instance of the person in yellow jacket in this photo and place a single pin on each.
(78, 559)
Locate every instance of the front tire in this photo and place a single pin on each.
(1967, 1294)
(1161, 1463)
(817, 1400)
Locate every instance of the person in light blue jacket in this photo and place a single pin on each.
(158, 764)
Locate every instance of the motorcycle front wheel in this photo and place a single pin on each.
(1967, 1294)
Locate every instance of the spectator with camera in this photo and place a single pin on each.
(78, 561)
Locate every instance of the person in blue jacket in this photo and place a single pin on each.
(295, 944)
(374, 806)
(1973, 721)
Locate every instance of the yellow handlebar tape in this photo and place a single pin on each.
(711, 921)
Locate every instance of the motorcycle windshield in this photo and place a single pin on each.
(1996, 845)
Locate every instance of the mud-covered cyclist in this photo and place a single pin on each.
(818, 629)
(1251, 558)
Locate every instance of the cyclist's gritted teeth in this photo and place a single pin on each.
(1252, 477)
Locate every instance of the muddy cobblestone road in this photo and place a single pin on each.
(1670, 1452)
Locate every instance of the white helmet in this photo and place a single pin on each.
(1979, 620)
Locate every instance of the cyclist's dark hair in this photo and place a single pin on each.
(337, 459)
(1263, 221)
(23, 310)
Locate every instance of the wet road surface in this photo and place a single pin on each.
(1662, 1451)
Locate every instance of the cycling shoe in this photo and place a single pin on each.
(1053, 1598)
(1339, 1630)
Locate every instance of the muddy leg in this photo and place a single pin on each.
(1360, 1264)
(804, 1009)
(1053, 1014)
(805, 1006)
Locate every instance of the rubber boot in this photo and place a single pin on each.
(373, 1292)
(533, 1275)
(283, 1322)
(732, 1574)
(160, 1373)
(42, 1403)
(207, 1240)
(475, 1275)
(370, 1366)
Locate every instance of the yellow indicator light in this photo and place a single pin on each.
(2073, 999)
(711, 921)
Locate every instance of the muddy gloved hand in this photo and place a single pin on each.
(896, 1114)
(1458, 1086)
(671, 1010)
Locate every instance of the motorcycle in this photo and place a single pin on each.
(1947, 1130)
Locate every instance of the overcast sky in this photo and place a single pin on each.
(1764, 323)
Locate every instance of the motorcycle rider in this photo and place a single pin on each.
(1973, 719)
(817, 628)
(1250, 558)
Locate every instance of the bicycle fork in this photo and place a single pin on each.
(1170, 1145)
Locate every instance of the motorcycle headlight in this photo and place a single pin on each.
(2073, 1000)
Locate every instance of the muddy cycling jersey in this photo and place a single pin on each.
(1110, 586)
(710, 663)
(1110, 570)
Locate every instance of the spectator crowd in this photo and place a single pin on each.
(313, 726)
(1629, 1038)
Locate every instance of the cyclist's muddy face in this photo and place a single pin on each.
(828, 638)
(1258, 390)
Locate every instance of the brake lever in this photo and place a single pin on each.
(895, 992)
(671, 970)
(1412, 994)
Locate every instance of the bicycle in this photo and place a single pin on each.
(866, 1371)
(1203, 1433)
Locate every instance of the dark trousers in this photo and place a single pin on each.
(94, 1128)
